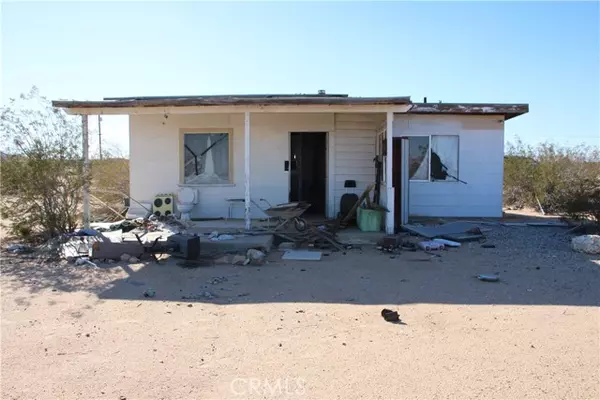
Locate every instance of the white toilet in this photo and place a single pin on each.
(187, 198)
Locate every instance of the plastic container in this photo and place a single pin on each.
(369, 220)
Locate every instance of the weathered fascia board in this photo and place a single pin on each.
(240, 109)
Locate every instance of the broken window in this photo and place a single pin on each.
(433, 158)
(418, 158)
(444, 158)
(206, 158)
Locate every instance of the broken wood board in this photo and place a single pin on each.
(451, 228)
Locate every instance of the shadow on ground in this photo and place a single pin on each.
(536, 266)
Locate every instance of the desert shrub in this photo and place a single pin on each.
(42, 171)
(564, 180)
(110, 181)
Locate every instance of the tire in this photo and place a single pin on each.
(300, 224)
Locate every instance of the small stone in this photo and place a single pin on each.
(125, 257)
(190, 305)
(134, 260)
(87, 335)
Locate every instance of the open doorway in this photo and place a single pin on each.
(308, 169)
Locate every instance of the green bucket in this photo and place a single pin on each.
(369, 220)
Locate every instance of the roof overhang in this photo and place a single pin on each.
(231, 104)
(507, 110)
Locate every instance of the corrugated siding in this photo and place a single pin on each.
(355, 136)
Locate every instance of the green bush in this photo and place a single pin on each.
(565, 180)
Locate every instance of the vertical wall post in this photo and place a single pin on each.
(86, 171)
(389, 181)
(247, 202)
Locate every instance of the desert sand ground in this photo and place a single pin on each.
(310, 330)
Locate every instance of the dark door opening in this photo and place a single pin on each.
(308, 169)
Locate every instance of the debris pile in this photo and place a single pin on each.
(589, 244)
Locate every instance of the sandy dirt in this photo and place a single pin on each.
(310, 330)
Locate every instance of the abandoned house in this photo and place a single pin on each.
(434, 159)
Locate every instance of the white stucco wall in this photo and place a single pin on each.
(156, 151)
(481, 160)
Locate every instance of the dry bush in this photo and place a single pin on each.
(565, 180)
(110, 183)
(42, 172)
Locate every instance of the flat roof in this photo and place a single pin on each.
(232, 100)
(508, 110)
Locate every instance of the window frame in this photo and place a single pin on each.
(429, 180)
(205, 131)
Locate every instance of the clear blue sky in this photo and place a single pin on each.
(544, 54)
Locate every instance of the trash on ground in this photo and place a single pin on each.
(431, 245)
(19, 249)
(86, 232)
(302, 255)
(221, 237)
(447, 242)
(217, 280)
(389, 315)
(431, 232)
(149, 292)
(254, 256)
(200, 296)
(589, 244)
(488, 278)
(85, 261)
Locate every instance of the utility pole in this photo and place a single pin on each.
(100, 135)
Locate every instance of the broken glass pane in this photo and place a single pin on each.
(206, 159)
(444, 158)
(418, 162)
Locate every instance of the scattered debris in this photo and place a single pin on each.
(217, 280)
(85, 261)
(200, 296)
(255, 257)
(589, 244)
(447, 242)
(431, 245)
(390, 316)
(19, 249)
(149, 292)
(431, 232)
(488, 278)
(86, 232)
(302, 255)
